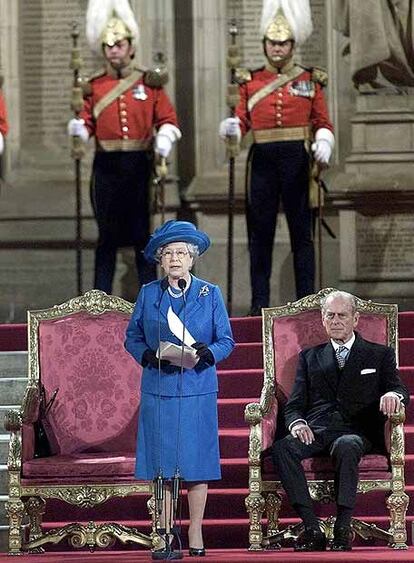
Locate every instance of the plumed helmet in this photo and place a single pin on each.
(286, 19)
(109, 21)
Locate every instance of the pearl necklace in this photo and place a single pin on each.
(181, 292)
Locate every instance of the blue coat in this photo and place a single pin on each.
(206, 320)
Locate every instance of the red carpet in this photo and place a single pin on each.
(357, 555)
(226, 524)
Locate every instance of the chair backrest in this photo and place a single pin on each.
(293, 327)
(78, 348)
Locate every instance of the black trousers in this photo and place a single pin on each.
(279, 171)
(120, 199)
(346, 451)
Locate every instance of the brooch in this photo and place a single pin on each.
(205, 290)
(139, 92)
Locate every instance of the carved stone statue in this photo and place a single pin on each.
(381, 47)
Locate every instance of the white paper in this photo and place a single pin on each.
(175, 354)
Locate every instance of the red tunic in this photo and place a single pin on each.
(4, 126)
(132, 116)
(288, 106)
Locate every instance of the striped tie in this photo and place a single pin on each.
(341, 354)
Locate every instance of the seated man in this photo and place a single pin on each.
(342, 391)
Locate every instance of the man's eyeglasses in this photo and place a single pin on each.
(180, 253)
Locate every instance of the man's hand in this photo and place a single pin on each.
(322, 151)
(230, 127)
(323, 146)
(76, 128)
(390, 403)
(303, 433)
(163, 145)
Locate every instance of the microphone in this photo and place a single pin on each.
(182, 284)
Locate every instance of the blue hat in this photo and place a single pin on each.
(175, 231)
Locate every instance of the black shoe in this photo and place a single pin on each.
(342, 539)
(196, 551)
(311, 540)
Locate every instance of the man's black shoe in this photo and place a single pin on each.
(311, 540)
(342, 539)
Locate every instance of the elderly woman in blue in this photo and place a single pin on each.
(178, 426)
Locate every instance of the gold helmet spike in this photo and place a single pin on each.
(279, 29)
(286, 19)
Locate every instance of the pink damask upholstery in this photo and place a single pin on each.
(96, 407)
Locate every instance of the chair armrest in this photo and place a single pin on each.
(262, 423)
(30, 405)
(394, 437)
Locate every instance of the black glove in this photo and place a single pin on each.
(150, 359)
(204, 353)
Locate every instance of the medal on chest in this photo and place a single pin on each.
(139, 93)
(303, 88)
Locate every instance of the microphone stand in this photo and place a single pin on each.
(160, 483)
(176, 480)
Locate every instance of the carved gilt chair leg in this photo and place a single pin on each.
(155, 522)
(272, 506)
(15, 511)
(397, 504)
(35, 508)
(255, 506)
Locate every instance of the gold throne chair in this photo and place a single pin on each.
(76, 348)
(286, 331)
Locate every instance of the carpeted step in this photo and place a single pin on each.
(13, 337)
(240, 382)
(244, 356)
(409, 438)
(406, 324)
(234, 442)
(247, 329)
(231, 412)
(406, 351)
(409, 415)
(407, 376)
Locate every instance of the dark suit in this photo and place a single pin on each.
(342, 409)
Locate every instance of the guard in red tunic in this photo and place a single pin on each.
(4, 126)
(124, 106)
(283, 104)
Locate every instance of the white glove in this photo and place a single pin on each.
(163, 145)
(1, 143)
(230, 127)
(323, 146)
(167, 135)
(76, 128)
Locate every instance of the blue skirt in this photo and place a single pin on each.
(164, 443)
